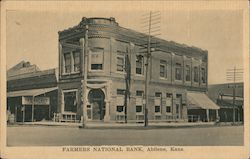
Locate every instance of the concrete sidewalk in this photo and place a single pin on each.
(117, 125)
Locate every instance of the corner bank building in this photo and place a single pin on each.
(113, 63)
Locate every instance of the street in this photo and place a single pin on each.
(59, 136)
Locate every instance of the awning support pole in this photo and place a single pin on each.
(32, 114)
(207, 112)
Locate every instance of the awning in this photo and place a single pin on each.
(200, 101)
(30, 92)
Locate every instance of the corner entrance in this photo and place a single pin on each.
(96, 99)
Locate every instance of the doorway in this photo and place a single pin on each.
(96, 99)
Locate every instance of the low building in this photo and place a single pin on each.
(222, 94)
(31, 93)
(102, 76)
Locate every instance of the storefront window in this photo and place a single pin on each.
(70, 101)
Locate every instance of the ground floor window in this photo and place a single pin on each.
(139, 109)
(168, 109)
(119, 108)
(70, 101)
(157, 109)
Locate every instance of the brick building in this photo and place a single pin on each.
(114, 64)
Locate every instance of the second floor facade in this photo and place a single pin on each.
(116, 52)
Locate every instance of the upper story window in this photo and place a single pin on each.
(188, 73)
(203, 75)
(139, 64)
(76, 57)
(157, 94)
(139, 93)
(67, 62)
(196, 74)
(163, 69)
(120, 61)
(178, 71)
(120, 91)
(96, 56)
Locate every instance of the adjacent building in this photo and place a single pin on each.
(102, 76)
(31, 93)
(222, 94)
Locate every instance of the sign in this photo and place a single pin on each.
(37, 101)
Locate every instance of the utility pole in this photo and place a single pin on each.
(151, 21)
(234, 75)
(84, 47)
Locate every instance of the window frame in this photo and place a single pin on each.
(96, 50)
(121, 55)
(142, 65)
(178, 66)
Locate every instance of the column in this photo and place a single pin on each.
(107, 102)
(217, 115)
(207, 112)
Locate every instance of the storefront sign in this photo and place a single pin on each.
(37, 101)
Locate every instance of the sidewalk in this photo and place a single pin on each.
(117, 125)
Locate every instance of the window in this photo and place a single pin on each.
(188, 72)
(163, 69)
(178, 71)
(72, 62)
(119, 108)
(203, 75)
(138, 109)
(169, 95)
(168, 109)
(120, 62)
(67, 62)
(70, 101)
(157, 109)
(120, 92)
(139, 64)
(157, 94)
(196, 74)
(139, 93)
(178, 95)
(76, 56)
(96, 56)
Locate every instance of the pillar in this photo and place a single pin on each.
(217, 114)
(207, 114)
(107, 115)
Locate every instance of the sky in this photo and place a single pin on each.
(33, 35)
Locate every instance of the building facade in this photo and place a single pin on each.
(31, 93)
(102, 76)
(222, 94)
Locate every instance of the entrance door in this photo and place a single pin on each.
(96, 99)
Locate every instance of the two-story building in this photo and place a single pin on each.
(113, 63)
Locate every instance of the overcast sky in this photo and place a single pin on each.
(33, 36)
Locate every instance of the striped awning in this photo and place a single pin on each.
(198, 100)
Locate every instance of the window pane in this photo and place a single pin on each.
(76, 56)
(120, 91)
(139, 93)
(138, 109)
(196, 74)
(162, 71)
(97, 58)
(157, 109)
(139, 64)
(178, 71)
(67, 62)
(168, 109)
(157, 94)
(203, 75)
(188, 72)
(120, 63)
(119, 108)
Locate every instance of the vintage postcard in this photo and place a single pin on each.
(125, 79)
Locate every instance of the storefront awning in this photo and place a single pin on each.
(31, 92)
(200, 101)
